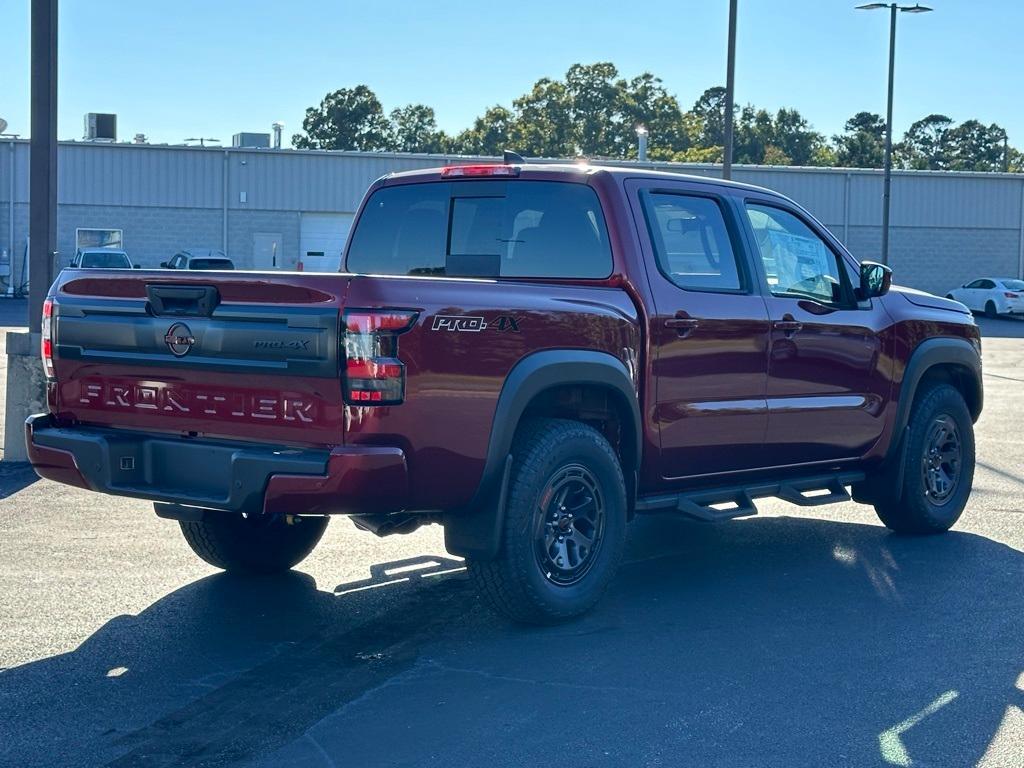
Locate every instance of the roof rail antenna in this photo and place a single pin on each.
(509, 158)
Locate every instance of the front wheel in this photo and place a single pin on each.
(565, 524)
(253, 545)
(939, 466)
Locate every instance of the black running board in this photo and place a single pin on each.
(727, 502)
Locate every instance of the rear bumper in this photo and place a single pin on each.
(211, 474)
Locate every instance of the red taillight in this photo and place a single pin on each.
(358, 321)
(46, 329)
(1011, 295)
(373, 373)
(479, 170)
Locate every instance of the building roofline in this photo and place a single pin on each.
(448, 159)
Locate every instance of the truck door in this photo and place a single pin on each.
(708, 330)
(828, 374)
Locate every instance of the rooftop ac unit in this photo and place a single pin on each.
(100, 127)
(251, 140)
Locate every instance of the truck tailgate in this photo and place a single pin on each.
(237, 355)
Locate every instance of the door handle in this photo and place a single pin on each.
(788, 326)
(683, 325)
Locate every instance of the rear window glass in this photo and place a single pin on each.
(104, 261)
(482, 229)
(211, 264)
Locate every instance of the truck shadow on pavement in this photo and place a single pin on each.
(15, 476)
(771, 641)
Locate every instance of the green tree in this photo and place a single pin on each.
(594, 99)
(784, 138)
(594, 112)
(754, 132)
(542, 126)
(414, 129)
(925, 145)
(794, 136)
(862, 144)
(646, 102)
(710, 109)
(349, 118)
(488, 136)
(973, 146)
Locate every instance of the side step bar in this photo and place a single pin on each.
(727, 502)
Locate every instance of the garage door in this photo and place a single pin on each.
(322, 240)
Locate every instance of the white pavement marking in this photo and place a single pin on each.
(893, 751)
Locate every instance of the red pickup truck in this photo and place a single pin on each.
(530, 355)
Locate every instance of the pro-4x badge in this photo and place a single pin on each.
(458, 323)
(474, 323)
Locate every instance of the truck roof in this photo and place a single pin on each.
(578, 171)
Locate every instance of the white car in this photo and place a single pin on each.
(992, 295)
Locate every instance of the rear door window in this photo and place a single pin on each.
(482, 229)
(691, 242)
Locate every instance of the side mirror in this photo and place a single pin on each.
(163, 264)
(875, 280)
(136, 266)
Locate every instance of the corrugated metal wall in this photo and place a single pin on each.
(936, 213)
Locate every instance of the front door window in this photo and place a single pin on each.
(797, 263)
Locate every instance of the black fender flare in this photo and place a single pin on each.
(928, 354)
(475, 531)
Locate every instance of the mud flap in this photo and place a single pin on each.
(887, 479)
(476, 533)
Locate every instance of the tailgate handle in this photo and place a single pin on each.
(182, 300)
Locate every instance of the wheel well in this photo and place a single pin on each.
(599, 406)
(958, 376)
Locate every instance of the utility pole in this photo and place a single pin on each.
(887, 181)
(893, 9)
(43, 158)
(730, 87)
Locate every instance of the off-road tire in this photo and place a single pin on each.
(912, 508)
(252, 545)
(990, 310)
(516, 583)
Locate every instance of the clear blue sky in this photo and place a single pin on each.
(187, 68)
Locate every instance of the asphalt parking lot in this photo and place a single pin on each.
(798, 637)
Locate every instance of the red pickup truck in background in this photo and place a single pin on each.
(529, 355)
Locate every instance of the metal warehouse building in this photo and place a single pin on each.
(276, 208)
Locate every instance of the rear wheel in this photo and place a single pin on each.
(939, 466)
(564, 528)
(254, 545)
(991, 310)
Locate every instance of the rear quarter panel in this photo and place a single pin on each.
(454, 377)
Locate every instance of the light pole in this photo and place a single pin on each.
(42, 196)
(730, 83)
(887, 179)
(641, 140)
